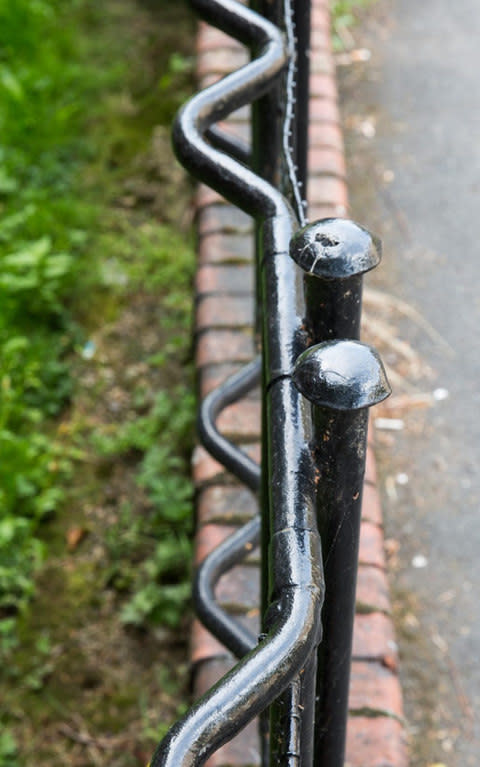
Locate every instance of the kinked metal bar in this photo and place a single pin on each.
(315, 399)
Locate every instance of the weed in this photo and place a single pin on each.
(87, 92)
(65, 126)
(8, 749)
(159, 586)
(343, 17)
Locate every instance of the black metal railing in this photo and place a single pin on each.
(318, 382)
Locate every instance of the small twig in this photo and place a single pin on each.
(84, 738)
(386, 333)
(93, 746)
(386, 300)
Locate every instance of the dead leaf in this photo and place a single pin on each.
(75, 535)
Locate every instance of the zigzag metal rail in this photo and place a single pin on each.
(313, 454)
(235, 548)
(232, 551)
(297, 592)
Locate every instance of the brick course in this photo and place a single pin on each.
(225, 340)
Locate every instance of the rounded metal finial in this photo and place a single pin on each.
(335, 248)
(341, 375)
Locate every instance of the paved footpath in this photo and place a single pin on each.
(419, 183)
(225, 342)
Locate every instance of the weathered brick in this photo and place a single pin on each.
(240, 129)
(242, 750)
(371, 468)
(205, 468)
(327, 190)
(227, 505)
(242, 115)
(207, 80)
(374, 688)
(242, 420)
(204, 646)
(375, 742)
(224, 312)
(211, 38)
(319, 39)
(320, 16)
(225, 248)
(221, 61)
(371, 545)
(373, 639)
(317, 212)
(251, 619)
(322, 63)
(212, 376)
(208, 537)
(205, 195)
(224, 279)
(325, 134)
(323, 110)
(239, 589)
(372, 589)
(323, 86)
(327, 160)
(207, 673)
(371, 441)
(221, 345)
(225, 219)
(371, 508)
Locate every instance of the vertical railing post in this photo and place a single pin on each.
(341, 379)
(270, 115)
(334, 254)
(301, 19)
(266, 124)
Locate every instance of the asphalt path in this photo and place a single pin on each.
(412, 115)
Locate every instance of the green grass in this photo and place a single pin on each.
(42, 238)
(84, 86)
(160, 434)
(75, 111)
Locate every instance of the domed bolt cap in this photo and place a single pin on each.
(341, 375)
(335, 248)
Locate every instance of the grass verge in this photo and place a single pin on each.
(96, 407)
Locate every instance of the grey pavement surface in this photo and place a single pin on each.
(412, 116)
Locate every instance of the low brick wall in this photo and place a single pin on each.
(224, 343)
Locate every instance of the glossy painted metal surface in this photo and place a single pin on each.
(334, 254)
(335, 249)
(342, 376)
(232, 457)
(226, 175)
(222, 625)
(297, 583)
(236, 547)
(281, 156)
(314, 406)
(341, 379)
(301, 21)
(260, 677)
